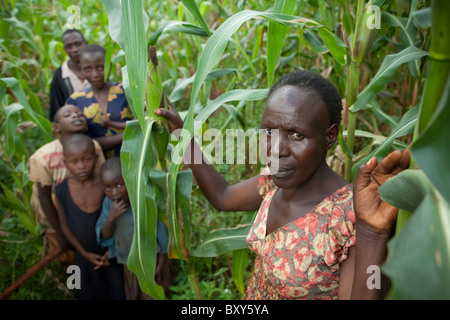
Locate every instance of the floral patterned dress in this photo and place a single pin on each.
(301, 260)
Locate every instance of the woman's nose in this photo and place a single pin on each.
(279, 144)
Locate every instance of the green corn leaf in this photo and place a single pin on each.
(219, 241)
(193, 9)
(114, 12)
(177, 26)
(419, 255)
(239, 263)
(430, 150)
(43, 123)
(276, 36)
(10, 200)
(135, 47)
(178, 225)
(337, 48)
(404, 127)
(233, 95)
(377, 139)
(9, 128)
(407, 32)
(137, 158)
(387, 69)
(181, 84)
(109, 49)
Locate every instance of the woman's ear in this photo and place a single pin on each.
(332, 134)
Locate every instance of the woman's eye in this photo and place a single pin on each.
(297, 136)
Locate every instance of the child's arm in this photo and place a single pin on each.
(109, 142)
(224, 197)
(94, 258)
(45, 198)
(117, 209)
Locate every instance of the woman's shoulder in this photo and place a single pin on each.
(344, 193)
(339, 205)
(265, 182)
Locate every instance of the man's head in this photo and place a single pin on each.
(73, 41)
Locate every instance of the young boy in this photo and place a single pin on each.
(115, 228)
(79, 203)
(47, 169)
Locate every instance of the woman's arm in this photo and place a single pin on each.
(375, 220)
(242, 196)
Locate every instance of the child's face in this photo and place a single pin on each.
(80, 160)
(114, 186)
(92, 66)
(297, 125)
(70, 120)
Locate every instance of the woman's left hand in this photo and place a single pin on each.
(369, 208)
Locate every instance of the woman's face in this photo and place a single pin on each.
(299, 134)
(92, 66)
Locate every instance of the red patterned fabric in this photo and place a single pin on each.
(301, 260)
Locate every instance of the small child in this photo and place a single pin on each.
(115, 228)
(79, 205)
(47, 169)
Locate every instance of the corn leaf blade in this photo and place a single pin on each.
(137, 158)
(425, 238)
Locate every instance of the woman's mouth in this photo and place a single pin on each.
(278, 172)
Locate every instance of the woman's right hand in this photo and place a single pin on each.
(171, 114)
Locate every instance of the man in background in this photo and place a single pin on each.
(68, 77)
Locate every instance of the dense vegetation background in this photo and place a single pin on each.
(378, 58)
